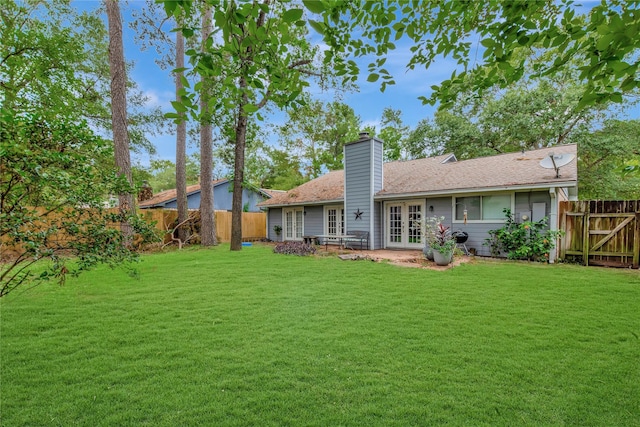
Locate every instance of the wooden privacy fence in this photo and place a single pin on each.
(254, 224)
(601, 232)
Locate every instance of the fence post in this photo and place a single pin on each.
(636, 242)
(585, 238)
(563, 226)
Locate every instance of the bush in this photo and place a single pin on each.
(525, 241)
(295, 248)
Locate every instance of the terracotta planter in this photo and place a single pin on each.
(443, 259)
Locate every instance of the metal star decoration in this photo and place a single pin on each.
(358, 214)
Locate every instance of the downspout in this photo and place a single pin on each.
(553, 222)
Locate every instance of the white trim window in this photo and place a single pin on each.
(293, 223)
(334, 220)
(485, 208)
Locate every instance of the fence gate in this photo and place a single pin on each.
(601, 232)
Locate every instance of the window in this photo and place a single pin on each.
(482, 208)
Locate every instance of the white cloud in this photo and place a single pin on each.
(160, 99)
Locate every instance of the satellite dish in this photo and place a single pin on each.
(556, 161)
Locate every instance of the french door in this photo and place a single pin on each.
(293, 225)
(403, 224)
(334, 220)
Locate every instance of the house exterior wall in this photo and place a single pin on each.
(479, 232)
(378, 161)
(377, 241)
(441, 207)
(525, 201)
(274, 217)
(313, 220)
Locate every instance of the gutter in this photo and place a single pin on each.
(545, 186)
(303, 203)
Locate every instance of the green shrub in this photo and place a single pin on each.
(527, 240)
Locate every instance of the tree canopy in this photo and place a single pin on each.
(316, 132)
(603, 42)
(257, 54)
(55, 171)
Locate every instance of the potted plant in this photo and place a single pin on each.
(277, 229)
(440, 240)
(428, 228)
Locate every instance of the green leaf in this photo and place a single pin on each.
(178, 106)
(314, 6)
(292, 15)
(373, 77)
(318, 26)
(170, 7)
(250, 108)
(488, 43)
(257, 83)
(628, 84)
(604, 42)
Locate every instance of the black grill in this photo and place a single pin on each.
(460, 236)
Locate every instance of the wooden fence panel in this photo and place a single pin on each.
(601, 232)
(254, 224)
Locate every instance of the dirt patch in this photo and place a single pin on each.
(402, 258)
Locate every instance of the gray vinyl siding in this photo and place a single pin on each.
(441, 207)
(313, 220)
(274, 217)
(357, 160)
(377, 239)
(378, 161)
(478, 232)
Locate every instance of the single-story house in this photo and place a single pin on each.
(222, 197)
(386, 200)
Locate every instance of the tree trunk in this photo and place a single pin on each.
(119, 114)
(181, 146)
(207, 214)
(238, 173)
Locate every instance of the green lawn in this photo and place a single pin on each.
(210, 337)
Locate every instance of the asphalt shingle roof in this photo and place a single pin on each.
(432, 176)
(169, 195)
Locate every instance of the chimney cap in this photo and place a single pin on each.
(364, 135)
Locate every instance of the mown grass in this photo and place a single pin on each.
(210, 337)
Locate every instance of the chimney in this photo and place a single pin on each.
(363, 179)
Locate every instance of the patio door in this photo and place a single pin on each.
(293, 224)
(334, 224)
(403, 224)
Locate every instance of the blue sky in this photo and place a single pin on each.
(368, 102)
